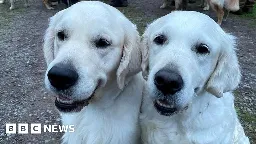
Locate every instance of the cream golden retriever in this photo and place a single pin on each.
(93, 57)
(191, 69)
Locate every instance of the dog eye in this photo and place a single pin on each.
(102, 43)
(202, 49)
(61, 35)
(160, 39)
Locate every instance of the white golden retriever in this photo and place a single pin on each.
(192, 67)
(93, 57)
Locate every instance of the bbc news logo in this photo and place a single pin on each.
(36, 128)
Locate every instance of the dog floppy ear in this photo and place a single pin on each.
(145, 55)
(48, 46)
(226, 75)
(131, 57)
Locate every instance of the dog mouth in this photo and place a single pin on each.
(164, 108)
(65, 104)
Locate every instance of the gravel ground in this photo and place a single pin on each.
(23, 96)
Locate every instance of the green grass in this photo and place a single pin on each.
(250, 121)
(251, 15)
(247, 117)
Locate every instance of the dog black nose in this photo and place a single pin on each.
(62, 76)
(168, 81)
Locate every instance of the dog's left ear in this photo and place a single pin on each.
(131, 57)
(145, 56)
(226, 75)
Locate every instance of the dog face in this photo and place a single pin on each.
(185, 54)
(87, 46)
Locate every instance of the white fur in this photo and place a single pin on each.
(112, 114)
(210, 117)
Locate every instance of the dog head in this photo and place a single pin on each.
(87, 46)
(184, 54)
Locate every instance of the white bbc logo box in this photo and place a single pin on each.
(10, 128)
(23, 128)
(36, 128)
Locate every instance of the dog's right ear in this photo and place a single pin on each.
(145, 55)
(48, 46)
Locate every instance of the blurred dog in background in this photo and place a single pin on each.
(12, 3)
(46, 3)
(179, 4)
(68, 3)
(217, 5)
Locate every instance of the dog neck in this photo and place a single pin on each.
(111, 115)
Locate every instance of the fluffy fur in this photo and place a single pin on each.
(206, 113)
(112, 114)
